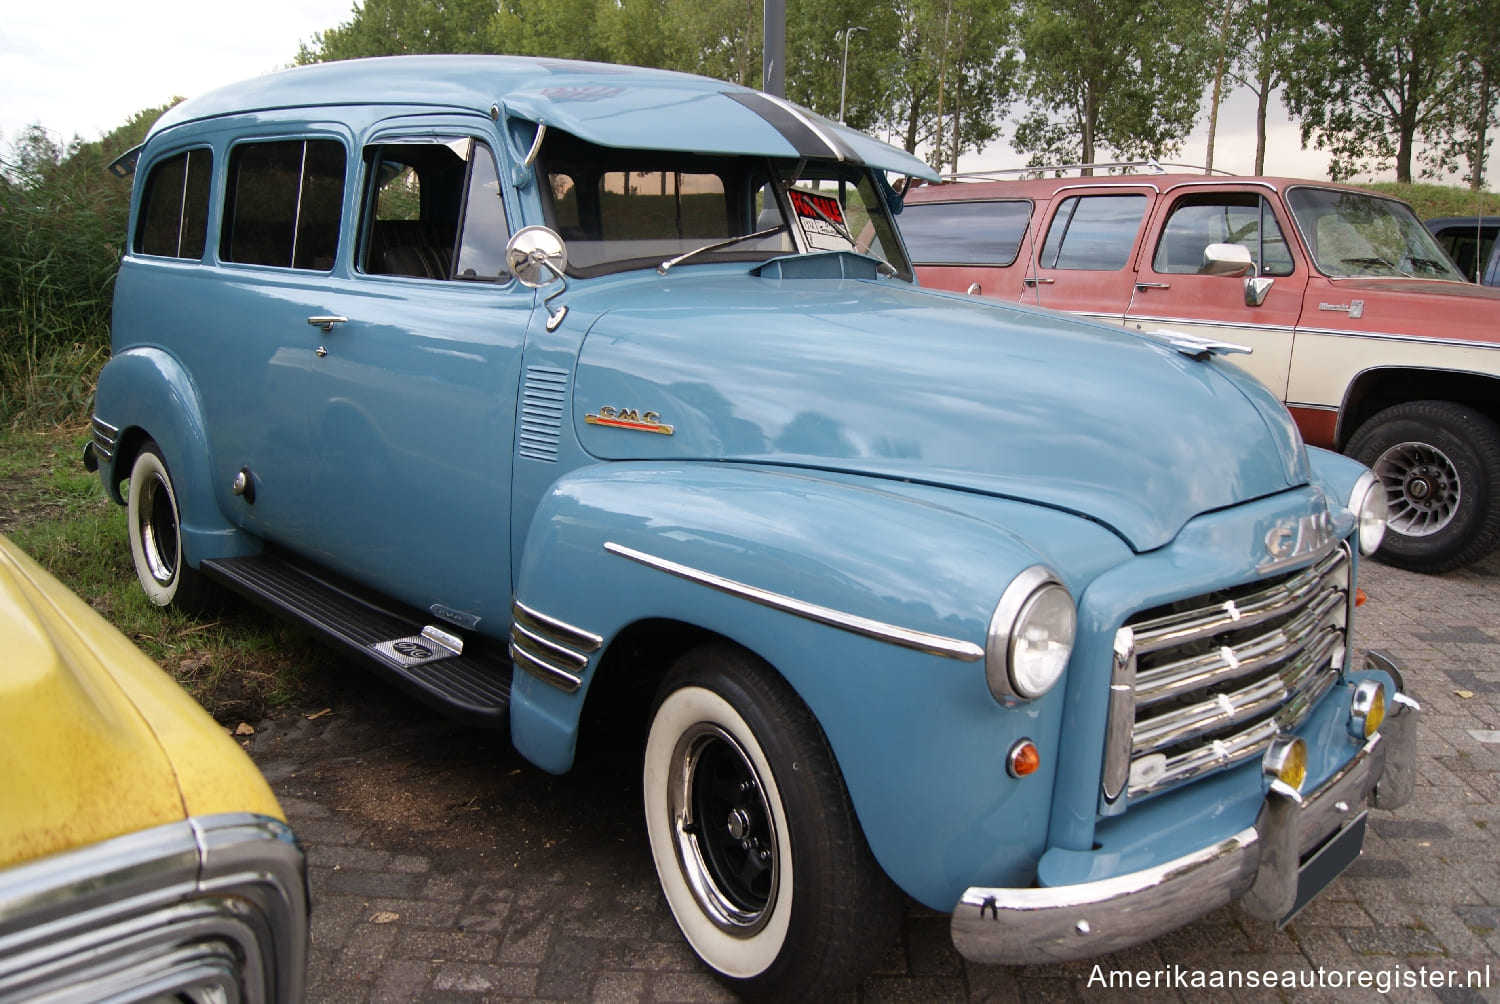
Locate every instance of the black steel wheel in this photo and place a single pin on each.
(761, 859)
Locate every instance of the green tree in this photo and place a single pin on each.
(954, 70)
(1124, 76)
(395, 27)
(1458, 140)
(1261, 38)
(1367, 78)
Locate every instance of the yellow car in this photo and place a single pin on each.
(142, 856)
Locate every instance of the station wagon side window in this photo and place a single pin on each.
(965, 233)
(1244, 218)
(284, 201)
(174, 209)
(431, 204)
(1093, 232)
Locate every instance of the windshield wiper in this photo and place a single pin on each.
(716, 246)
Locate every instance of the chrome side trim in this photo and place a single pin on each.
(1386, 336)
(106, 439)
(920, 641)
(553, 651)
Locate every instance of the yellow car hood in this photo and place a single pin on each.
(95, 740)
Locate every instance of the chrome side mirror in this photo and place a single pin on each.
(538, 258)
(1226, 259)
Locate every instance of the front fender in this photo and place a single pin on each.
(762, 556)
(146, 393)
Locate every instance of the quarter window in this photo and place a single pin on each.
(1223, 218)
(174, 209)
(285, 201)
(1093, 232)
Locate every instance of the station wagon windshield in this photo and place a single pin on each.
(626, 209)
(1351, 234)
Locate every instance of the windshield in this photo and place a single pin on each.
(623, 209)
(1352, 234)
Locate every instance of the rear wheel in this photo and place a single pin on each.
(759, 854)
(155, 527)
(1440, 465)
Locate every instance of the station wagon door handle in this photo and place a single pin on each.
(1153, 285)
(1032, 280)
(327, 321)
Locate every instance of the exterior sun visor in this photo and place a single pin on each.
(687, 116)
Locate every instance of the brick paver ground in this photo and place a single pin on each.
(446, 868)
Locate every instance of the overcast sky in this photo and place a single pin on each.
(82, 67)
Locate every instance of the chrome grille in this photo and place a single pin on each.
(1206, 683)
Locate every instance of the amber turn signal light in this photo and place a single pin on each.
(1023, 759)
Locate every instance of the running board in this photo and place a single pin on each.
(424, 660)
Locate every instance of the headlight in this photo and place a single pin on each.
(1367, 502)
(1031, 636)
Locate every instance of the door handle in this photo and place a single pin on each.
(1034, 281)
(326, 321)
(1153, 285)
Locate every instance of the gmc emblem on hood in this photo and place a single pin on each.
(1289, 541)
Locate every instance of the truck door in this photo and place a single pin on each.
(412, 407)
(1091, 237)
(1177, 287)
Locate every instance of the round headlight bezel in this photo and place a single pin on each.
(1367, 502)
(1031, 636)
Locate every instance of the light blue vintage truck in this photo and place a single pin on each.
(543, 387)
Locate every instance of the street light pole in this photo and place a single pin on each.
(844, 70)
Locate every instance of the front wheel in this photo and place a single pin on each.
(155, 528)
(1439, 463)
(756, 845)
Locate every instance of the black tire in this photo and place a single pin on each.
(155, 528)
(756, 844)
(1440, 465)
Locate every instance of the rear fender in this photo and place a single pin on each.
(146, 394)
(872, 605)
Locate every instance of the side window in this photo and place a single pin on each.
(284, 203)
(481, 250)
(174, 209)
(428, 200)
(965, 233)
(1093, 232)
(1469, 247)
(1223, 218)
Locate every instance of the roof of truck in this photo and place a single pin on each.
(616, 106)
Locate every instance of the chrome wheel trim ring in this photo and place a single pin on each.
(157, 519)
(704, 843)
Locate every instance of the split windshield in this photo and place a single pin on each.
(1351, 234)
(623, 209)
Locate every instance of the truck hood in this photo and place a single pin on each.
(882, 379)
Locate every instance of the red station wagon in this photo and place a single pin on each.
(1337, 299)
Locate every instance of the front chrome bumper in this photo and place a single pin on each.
(208, 908)
(1270, 865)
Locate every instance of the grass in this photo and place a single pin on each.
(240, 664)
(1432, 201)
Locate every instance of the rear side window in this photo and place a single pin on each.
(1093, 232)
(284, 202)
(174, 209)
(1469, 247)
(965, 233)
